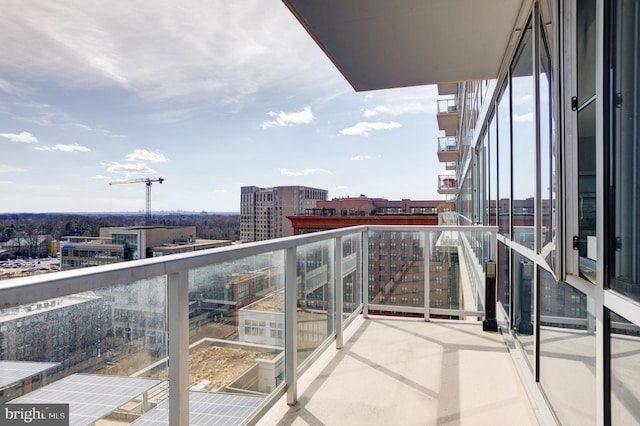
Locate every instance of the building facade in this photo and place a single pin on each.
(541, 140)
(131, 243)
(263, 211)
(395, 264)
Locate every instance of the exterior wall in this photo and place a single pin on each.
(122, 244)
(263, 211)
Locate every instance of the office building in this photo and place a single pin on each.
(263, 211)
(131, 243)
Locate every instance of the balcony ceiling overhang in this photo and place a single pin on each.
(379, 44)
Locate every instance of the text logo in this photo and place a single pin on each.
(35, 414)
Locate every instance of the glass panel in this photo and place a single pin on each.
(236, 323)
(493, 173)
(587, 191)
(503, 277)
(316, 296)
(523, 312)
(396, 275)
(117, 331)
(625, 375)
(504, 163)
(625, 161)
(586, 65)
(479, 182)
(567, 349)
(524, 143)
(351, 272)
(445, 281)
(547, 156)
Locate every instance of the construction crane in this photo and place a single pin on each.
(148, 182)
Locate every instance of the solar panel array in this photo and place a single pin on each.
(207, 409)
(16, 371)
(90, 397)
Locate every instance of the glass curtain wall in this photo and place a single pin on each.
(624, 163)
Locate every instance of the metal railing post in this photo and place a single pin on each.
(339, 283)
(426, 243)
(365, 273)
(291, 325)
(178, 312)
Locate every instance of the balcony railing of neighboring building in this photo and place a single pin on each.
(447, 184)
(448, 149)
(248, 319)
(448, 116)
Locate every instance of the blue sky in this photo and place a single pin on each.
(210, 95)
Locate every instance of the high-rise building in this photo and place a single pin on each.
(263, 211)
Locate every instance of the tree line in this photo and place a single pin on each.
(35, 230)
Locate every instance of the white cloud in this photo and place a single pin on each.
(24, 137)
(523, 118)
(142, 155)
(130, 169)
(341, 188)
(364, 128)
(5, 168)
(360, 157)
(287, 119)
(220, 191)
(100, 177)
(305, 172)
(64, 148)
(182, 50)
(399, 109)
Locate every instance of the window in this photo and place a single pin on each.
(404, 289)
(382, 299)
(404, 279)
(415, 301)
(438, 280)
(381, 278)
(392, 299)
(404, 300)
(438, 268)
(438, 291)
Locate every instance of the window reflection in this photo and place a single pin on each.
(625, 375)
(523, 312)
(567, 349)
(625, 153)
(524, 144)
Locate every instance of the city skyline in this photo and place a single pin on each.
(211, 97)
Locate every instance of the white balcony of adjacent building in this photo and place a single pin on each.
(448, 116)
(448, 150)
(451, 165)
(250, 348)
(447, 183)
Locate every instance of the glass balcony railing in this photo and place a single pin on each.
(448, 106)
(152, 340)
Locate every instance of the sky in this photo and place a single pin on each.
(209, 95)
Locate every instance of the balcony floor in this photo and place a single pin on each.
(409, 372)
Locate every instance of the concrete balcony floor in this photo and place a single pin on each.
(404, 371)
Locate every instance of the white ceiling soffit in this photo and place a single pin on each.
(379, 44)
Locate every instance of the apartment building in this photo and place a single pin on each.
(263, 211)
